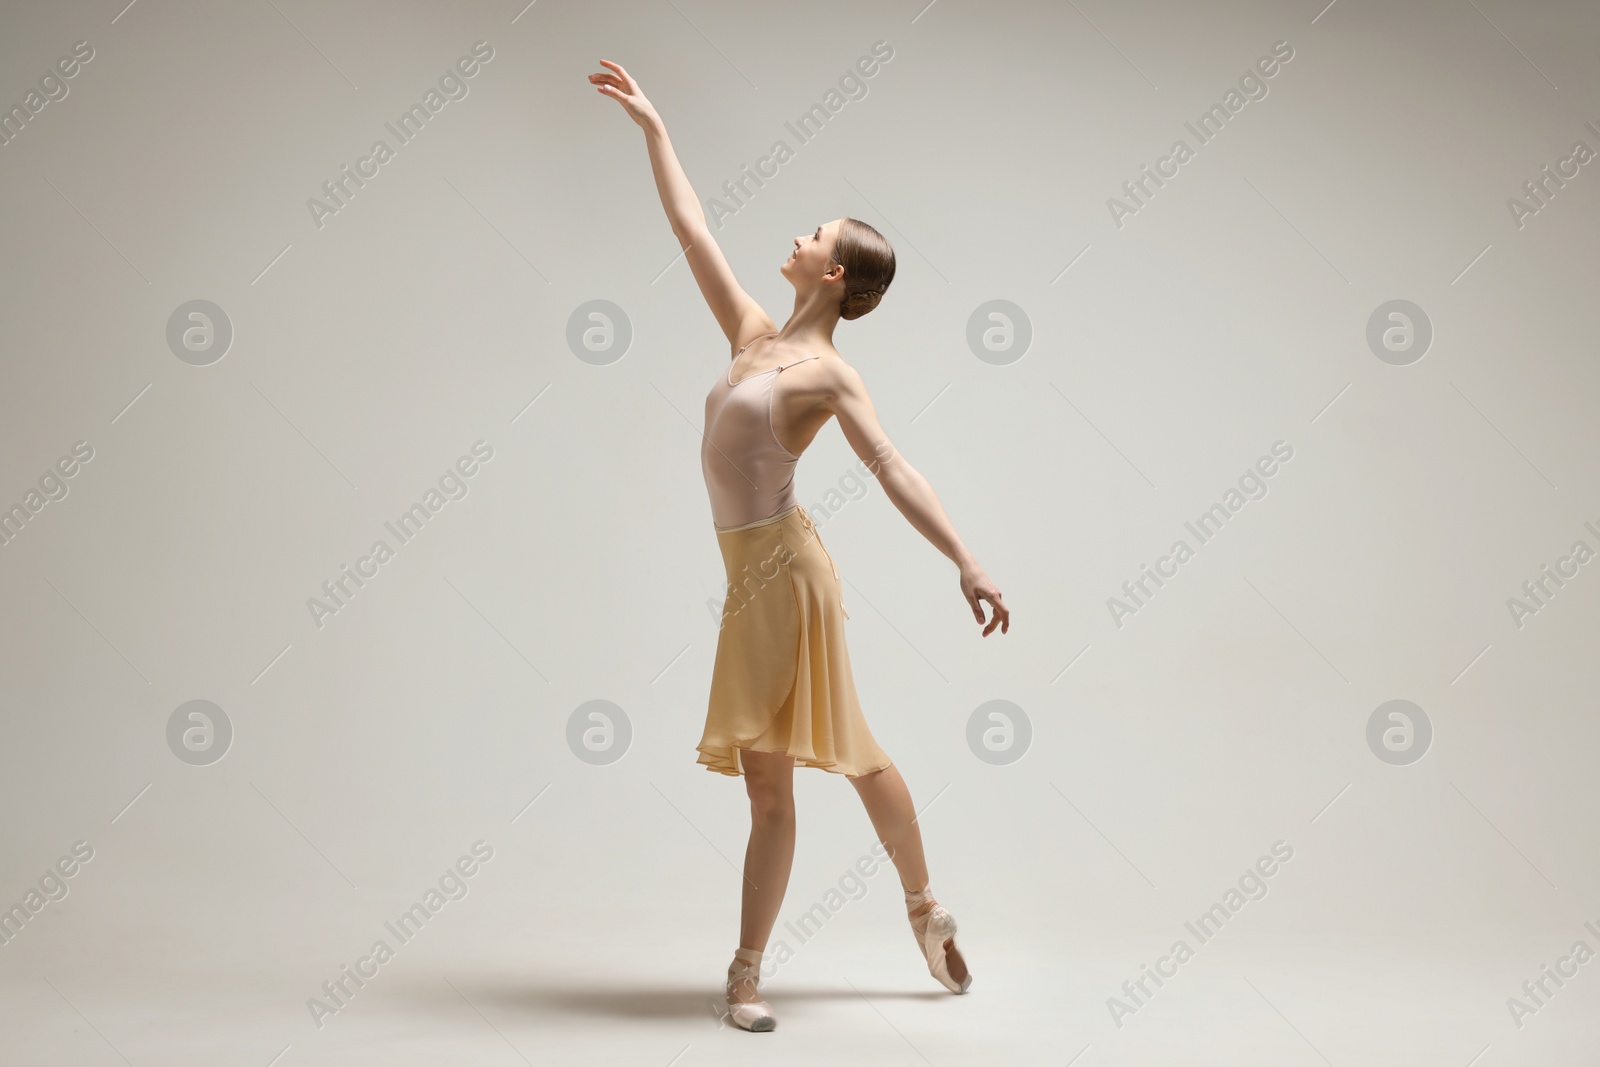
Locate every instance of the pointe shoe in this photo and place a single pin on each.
(935, 931)
(755, 1016)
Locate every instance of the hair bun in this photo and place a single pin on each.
(868, 261)
(859, 303)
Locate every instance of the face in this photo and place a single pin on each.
(808, 260)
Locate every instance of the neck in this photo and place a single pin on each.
(813, 319)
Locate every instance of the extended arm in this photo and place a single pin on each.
(739, 316)
(910, 492)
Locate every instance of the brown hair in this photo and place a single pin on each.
(868, 261)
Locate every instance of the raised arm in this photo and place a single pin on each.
(740, 317)
(908, 490)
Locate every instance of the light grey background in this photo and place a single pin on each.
(1167, 754)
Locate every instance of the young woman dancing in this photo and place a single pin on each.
(781, 688)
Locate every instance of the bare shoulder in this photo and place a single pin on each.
(837, 378)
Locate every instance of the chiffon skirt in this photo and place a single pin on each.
(782, 680)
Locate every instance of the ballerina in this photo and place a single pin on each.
(782, 693)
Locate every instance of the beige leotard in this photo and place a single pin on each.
(749, 474)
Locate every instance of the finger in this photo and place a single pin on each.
(1000, 613)
(627, 79)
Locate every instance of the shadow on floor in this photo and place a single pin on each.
(616, 1001)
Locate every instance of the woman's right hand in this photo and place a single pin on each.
(621, 87)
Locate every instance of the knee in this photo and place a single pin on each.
(769, 804)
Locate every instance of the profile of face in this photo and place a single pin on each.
(808, 265)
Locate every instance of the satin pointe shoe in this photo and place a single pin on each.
(935, 931)
(756, 1015)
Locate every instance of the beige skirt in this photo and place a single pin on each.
(782, 680)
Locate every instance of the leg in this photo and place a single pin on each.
(888, 804)
(769, 781)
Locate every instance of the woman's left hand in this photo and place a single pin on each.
(976, 586)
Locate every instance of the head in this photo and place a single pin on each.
(847, 262)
